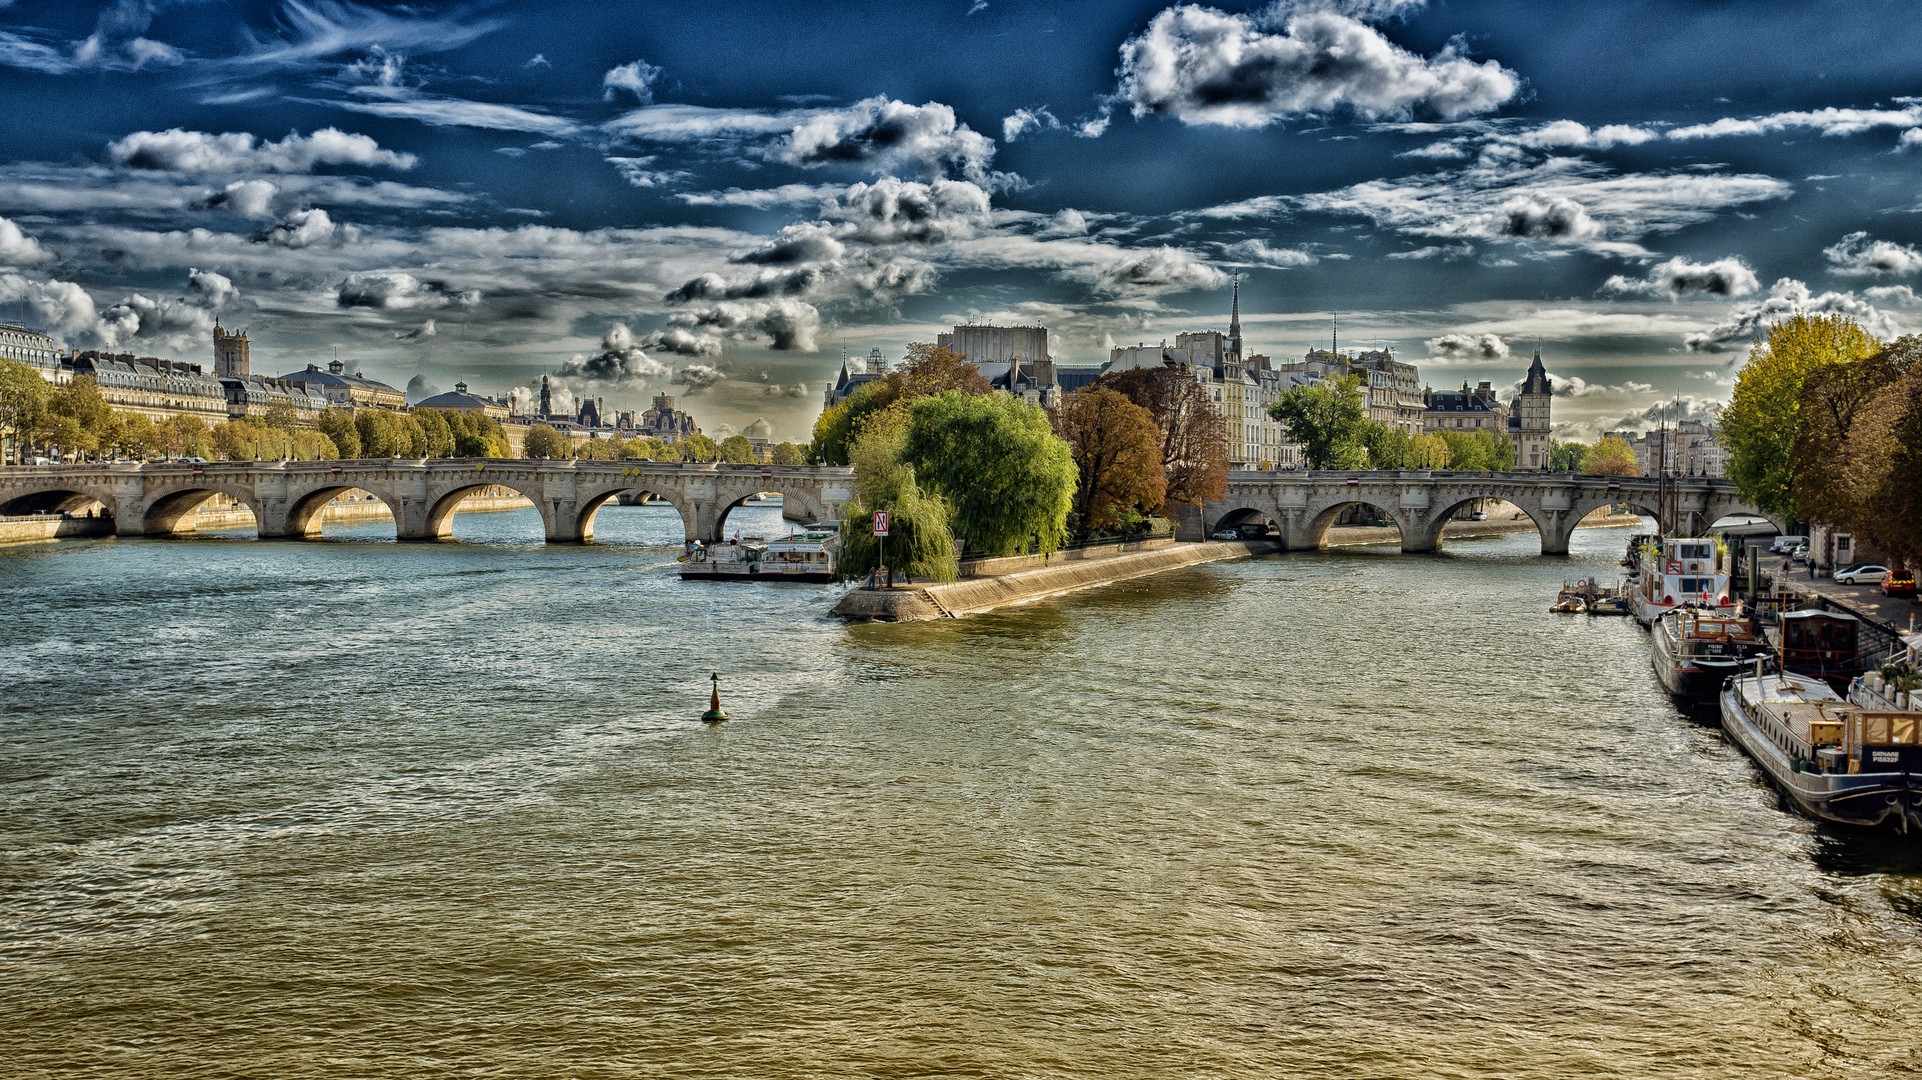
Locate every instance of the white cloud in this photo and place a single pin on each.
(1829, 122)
(620, 360)
(436, 111)
(248, 198)
(317, 29)
(399, 290)
(696, 123)
(699, 378)
(1787, 297)
(1855, 255)
(790, 324)
(636, 77)
(1259, 253)
(636, 171)
(199, 152)
(892, 211)
(305, 228)
(1679, 277)
(1899, 295)
(1204, 66)
(217, 288)
(1467, 347)
(1022, 121)
(888, 136)
(19, 249)
(1570, 133)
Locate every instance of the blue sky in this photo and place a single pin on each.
(716, 199)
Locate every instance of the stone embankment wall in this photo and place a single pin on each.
(39, 527)
(974, 594)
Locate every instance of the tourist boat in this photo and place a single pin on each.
(1839, 763)
(1695, 652)
(1824, 644)
(1687, 570)
(803, 556)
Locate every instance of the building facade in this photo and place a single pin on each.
(1528, 419)
(34, 349)
(992, 346)
(153, 387)
(344, 391)
(459, 400)
(233, 356)
(1464, 410)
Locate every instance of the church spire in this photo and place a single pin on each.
(1234, 318)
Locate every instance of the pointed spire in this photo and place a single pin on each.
(1234, 311)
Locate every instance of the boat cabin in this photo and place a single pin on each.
(1874, 741)
(1820, 643)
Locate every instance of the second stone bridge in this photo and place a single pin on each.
(287, 497)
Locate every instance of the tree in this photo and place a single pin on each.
(338, 425)
(1884, 464)
(83, 403)
(920, 538)
(1428, 451)
(929, 370)
(542, 441)
(1117, 455)
(1566, 456)
(1833, 396)
(281, 416)
(186, 436)
(1610, 456)
(1759, 424)
(1194, 434)
(834, 428)
(998, 463)
(737, 450)
(1388, 447)
(788, 453)
(1326, 419)
(698, 447)
(438, 430)
(1478, 451)
(24, 396)
(235, 440)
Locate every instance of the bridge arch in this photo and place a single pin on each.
(164, 508)
(791, 496)
(54, 497)
(1316, 534)
(438, 523)
(1248, 513)
(597, 497)
(306, 508)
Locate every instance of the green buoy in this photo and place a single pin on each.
(715, 714)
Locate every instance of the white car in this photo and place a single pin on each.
(1866, 574)
(1230, 534)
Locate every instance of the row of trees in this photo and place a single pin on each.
(1330, 423)
(544, 441)
(1825, 424)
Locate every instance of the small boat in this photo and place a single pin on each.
(1838, 762)
(1694, 653)
(1611, 605)
(803, 556)
(1569, 605)
(1671, 573)
(1590, 596)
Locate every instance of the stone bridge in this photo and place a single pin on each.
(287, 497)
(1304, 505)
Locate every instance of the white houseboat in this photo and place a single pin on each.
(1838, 762)
(1687, 570)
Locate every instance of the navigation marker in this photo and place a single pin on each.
(715, 714)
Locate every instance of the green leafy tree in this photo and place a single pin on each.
(996, 460)
(920, 539)
(788, 453)
(281, 416)
(1388, 447)
(1833, 396)
(338, 425)
(1759, 424)
(235, 440)
(1428, 451)
(186, 436)
(1610, 456)
(438, 430)
(24, 397)
(542, 441)
(1478, 451)
(83, 403)
(699, 448)
(1566, 456)
(1326, 419)
(834, 429)
(737, 450)
(1883, 463)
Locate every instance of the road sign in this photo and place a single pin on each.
(767, 474)
(1354, 481)
(880, 523)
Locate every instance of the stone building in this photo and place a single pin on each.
(232, 354)
(994, 346)
(34, 349)
(1528, 419)
(459, 400)
(345, 391)
(151, 386)
(663, 421)
(1464, 410)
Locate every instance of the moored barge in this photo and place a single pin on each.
(1837, 762)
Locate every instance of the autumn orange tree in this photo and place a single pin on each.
(1610, 456)
(1117, 453)
(1761, 420)
(1194, 435)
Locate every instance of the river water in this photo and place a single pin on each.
(357, 808)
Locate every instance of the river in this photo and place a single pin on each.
(357, 808)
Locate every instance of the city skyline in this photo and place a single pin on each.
(716, 204)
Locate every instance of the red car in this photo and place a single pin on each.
(1899, 583)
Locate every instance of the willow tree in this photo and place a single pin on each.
(1759, 424)
(920, 539)
(996, 460)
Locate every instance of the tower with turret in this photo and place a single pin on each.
(231, 355)
(1528, 421)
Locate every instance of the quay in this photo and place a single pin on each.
(991, 583)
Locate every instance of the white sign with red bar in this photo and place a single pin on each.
(880, 523)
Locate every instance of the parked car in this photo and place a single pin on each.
(1479, 515)
(1226, 534)
(1785, 544)
(1861, 574)
(1800, 554)
(1899, 583)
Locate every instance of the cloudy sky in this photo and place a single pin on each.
(716, 200)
